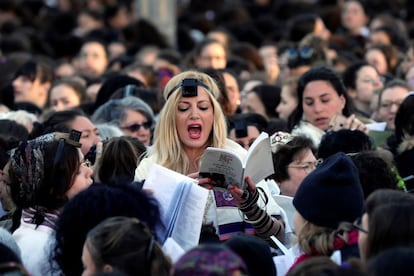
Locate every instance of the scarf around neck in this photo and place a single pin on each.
(40, 216)
(338, 244)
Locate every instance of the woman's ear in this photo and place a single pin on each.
(343, 101)
(107, 268)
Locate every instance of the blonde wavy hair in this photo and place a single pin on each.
(315, 239)
(167, 146)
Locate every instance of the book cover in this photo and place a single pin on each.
(225, 168)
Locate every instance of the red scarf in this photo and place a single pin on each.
(338, 244)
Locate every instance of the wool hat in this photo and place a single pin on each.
(209, 259)
(331, 194)
(255, 253)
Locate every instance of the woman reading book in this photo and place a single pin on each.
(190, 121)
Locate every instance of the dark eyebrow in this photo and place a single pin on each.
(320, 96)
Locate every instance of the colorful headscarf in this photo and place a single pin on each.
(28, 166)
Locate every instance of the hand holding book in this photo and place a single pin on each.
(225, 169)
(240, 195)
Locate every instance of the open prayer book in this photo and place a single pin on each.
(225, 168)
(182, 204)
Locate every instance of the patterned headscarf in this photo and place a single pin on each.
(28, 165)
(279, 139)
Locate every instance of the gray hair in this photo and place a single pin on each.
(114, 111)
(108, 131)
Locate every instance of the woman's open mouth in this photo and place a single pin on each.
(194, 131)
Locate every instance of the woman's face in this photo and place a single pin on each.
(408, 60)
(367, 82)
(254, 104)
(287, 103)
(90, 135)
(303, 163)
(391, 100)
(93, 59)
(63, 97)
(194, 120)
(320, 103)
(377, 59)
(232, 90)
(362, 237)
(83, 178)
(212, 56)
(26, 90)
(353, 16)
(136, 124)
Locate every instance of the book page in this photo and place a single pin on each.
(285, 202)
(223, 167)
(172, 249)
(173, 212)
(259, 162)
(176, 195)
(190, 216)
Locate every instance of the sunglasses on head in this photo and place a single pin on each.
(137, 127)
(303, 52)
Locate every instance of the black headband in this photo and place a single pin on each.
(189, 88)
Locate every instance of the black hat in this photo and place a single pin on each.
(331, 194)
(255, 253)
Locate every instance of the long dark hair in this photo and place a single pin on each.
(322, 73)
(390, 225)
(404, 119)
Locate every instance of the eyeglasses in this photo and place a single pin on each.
(137, 127)
(374, 81)
(389, 104)
(358, 225)
(307, 166)
(303, 52)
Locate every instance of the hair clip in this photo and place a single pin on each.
(278, 139)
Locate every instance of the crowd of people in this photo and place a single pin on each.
(92, 96)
